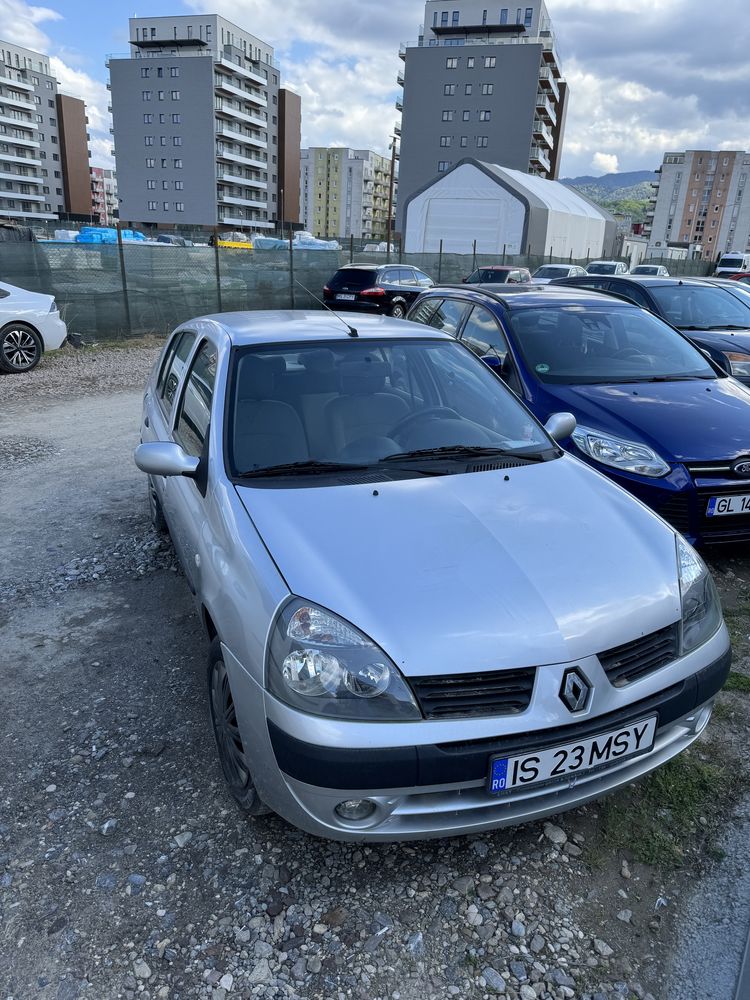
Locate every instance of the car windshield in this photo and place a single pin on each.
(601, 268)
(489, 276)
(734, 262)
(552, 271)
(645, 269)
(571, 345)
(351, 403)
(701, 307)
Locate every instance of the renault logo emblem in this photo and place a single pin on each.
(742, 468)
(575, 690)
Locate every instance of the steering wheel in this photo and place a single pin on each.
(629, 352)
(415, 418)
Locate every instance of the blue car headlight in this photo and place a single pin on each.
(629, 456)
(320, 664)
(740, 363)
(701, 608)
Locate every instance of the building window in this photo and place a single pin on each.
(518, 16)
(148, 140)
(176, 140)
(162, 119)
(490, 62)
(448, 116)
(163, 163)
(484, 116)
(178, 164)
(179, 206)
(176, 119)
(445, 140)
(484, 17)
(166, 206)
(528, 17)
(451, 63)
(150, 162)
(464, 142)
(174, 70)
(468, 89)
(146, 95)
(504, 15)
(175, 95)
(488, 89)
(470, 62)
(152, 206)
(449, 89)
(165, 185)
(442, 166)
(162, 140)
(160, 72)
(482, 141)
(145, 70)
(148, 119)
(150, 185)
(467, 116)
(178, 185)
(444, 19)
(160, 95)
(455, 16)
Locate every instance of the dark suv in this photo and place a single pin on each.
(376, 288)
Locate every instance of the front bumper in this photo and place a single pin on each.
(439, 789)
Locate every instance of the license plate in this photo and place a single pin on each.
(571, 758)
(718, 506)
(346, 298)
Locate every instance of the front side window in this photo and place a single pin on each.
(173, 368)
(195, 410)
(483, 335)
(447, 317)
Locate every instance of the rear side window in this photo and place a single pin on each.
(630, 292)
(448, 316)
(422, 312)
(390, 277)
(173, 368)
(483, 335)
(195, 411)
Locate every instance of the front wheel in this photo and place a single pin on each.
(155, 510)
(21, 348)
(398, 310)
(229, 743)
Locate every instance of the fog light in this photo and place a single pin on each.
(700, 719)
(355, 809)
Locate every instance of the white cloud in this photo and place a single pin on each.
(20, 23)
(605, 163)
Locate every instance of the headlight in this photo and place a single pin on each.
(620, 454)
(701, 609)
(320, 664)
(740, 363)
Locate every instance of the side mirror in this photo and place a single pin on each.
(560, 426)
(162, 458)
(492, 361)
(464, 280)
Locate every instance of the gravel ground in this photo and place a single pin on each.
(125, 870)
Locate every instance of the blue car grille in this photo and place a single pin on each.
(499, 692)
(641, 657)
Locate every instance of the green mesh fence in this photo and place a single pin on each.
(108, 292)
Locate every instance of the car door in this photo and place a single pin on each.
(483, 334)
(390, 281)
(186, 496)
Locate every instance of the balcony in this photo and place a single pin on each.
(547, 80)
(231, 220)
(227, 199)
(544, 132)
(400, 78)
(19, 178)
(539, 156)
(17, 102)
(252, 96)
(230, 67)
(19, 122)
(224, 132)
(397, 129)
(224, 108)
(27, 161)
(31, 143)
(399, 104)
(21, 196)
(545, 108)
(246, 161)
(10, 81)
(549, 53)
(402, 51)
(241, 181)
(9, 213)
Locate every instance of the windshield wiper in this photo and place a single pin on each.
(310, 467)
(467, 451)
(729, 326)
(661, 378)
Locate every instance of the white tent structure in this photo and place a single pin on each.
(507, 211)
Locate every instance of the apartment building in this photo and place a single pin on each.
(197, 124)
(32, 183)
(701, 203)
(344, 192)
(104, 196)
(484, 83)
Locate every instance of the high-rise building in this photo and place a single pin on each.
(484, 83)
(701, 203)
(44, 167)
(104, 196)
(344, 192)
(195, 108)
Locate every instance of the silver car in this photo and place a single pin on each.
(425, 618)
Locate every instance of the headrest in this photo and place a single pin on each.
(320, 360)
(277, 363)
(363, 377)
(256, 378)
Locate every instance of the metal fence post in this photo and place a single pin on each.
(351, 248)
(440, 263)
(217, 267)
(124, 278)
(505, 247)
(291, 269)
(400, 250)
(588, 255)
(474, 257)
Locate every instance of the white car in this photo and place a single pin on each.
(29, 325)
(607, 267)
(548, 272)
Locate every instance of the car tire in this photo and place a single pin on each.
(155, 509)
(398, 310)
(229, 744)
(21, 348)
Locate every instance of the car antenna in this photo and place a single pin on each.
(353, 332)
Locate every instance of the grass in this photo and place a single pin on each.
(738, 682)
(655, 821)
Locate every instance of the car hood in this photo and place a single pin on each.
(724, 340)
(477, 571)
(684, 421)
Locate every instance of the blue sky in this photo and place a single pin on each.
(642, 79)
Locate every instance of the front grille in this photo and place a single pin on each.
(500, 692)
(633, 660)
(676, 512)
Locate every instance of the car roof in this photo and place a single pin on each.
(649, 280)
(531, 295)
(501, 267)
(369, 266)
(286, 326)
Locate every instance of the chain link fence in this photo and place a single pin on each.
(109, 292)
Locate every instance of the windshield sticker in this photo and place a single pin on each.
(542, 369)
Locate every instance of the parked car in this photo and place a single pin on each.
(174, 239)
(717, 319)
(498, 274)
(654, 270)
(425, 618)
(544, 274)
(606, 267)
(732, 263)
(30, 324)
(654, 413)
(376, 288)
(743, 277)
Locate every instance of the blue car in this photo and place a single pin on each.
(654, 413)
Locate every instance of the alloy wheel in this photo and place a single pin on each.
(228, 738)
(20, 350)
